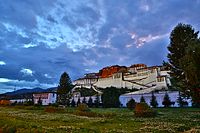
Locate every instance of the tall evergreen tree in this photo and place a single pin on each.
(184, 57)
(73, 104)
(153, 101)
(84, 100)
(142, 100)
(131, 104)
(78, 102)
(191, 64)
(64, 87)
(97, 101)
(166, 101)
(39, 101)
(90, 102)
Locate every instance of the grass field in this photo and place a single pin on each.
(24, 119)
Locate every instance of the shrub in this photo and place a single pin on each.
(131, 104)
(54, 104)
(14, 103)
(143, 110)
(9, 129)
(94, 114)
(88, 114)
(51, 109)
(5, 102)
(83, 107)
(29, 103)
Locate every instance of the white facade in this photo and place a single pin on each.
(19, 100)
(46, 98)
(173, 95)
(141, 78)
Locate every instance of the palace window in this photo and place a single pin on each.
(160, 79)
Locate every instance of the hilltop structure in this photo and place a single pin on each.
(137, 76)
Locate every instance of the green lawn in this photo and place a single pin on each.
(115, 120)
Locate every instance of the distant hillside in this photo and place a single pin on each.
(25, 93)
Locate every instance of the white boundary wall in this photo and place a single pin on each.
(173, 95)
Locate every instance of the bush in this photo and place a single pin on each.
(93, 114)
(88, 114)
(143, 110)
(9, 129)
(131, 104)
(83, 107)
(29, 103)
(51, 109)
(54, 104)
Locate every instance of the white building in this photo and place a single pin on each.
(137, 76)
(19, 100)
(46, 98)
(173, 95)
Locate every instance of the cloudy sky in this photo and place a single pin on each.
(40, 39)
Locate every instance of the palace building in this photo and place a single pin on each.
(137, 76)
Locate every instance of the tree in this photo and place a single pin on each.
(84, 100)
(142, 100)
(97, 101)
(184, 57)
(78, 102)
(191, 64)
(180, 101)
(110, 97)
(73, 104)
(39, 102)
(153, 101)
(90, 102)
(166, 101)
(131, 104)
(64, 87)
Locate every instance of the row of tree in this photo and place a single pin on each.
(166, 102)
(96, 103)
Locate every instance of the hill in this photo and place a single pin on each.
(25, 93)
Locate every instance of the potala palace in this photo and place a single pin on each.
(137, 76)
